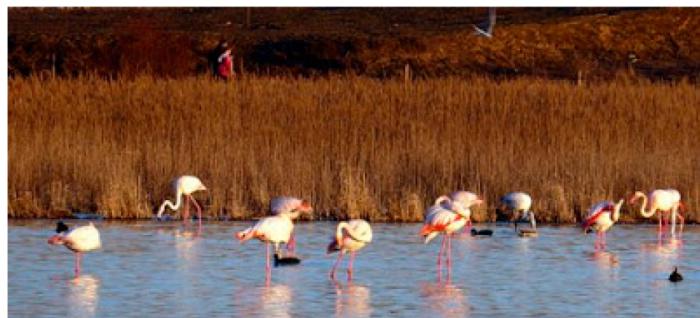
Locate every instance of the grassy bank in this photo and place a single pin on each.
(356, 147)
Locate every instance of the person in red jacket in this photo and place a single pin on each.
(225, 68)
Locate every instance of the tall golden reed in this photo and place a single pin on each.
(356, 147)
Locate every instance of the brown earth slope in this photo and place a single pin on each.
(379, 42)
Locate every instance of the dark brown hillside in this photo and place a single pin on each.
(378, 42)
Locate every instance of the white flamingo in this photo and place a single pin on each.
(519, 203)
(445, 217)
(293, 207)
(349, 237)
(276, 229)
(663, 200)
(184, 186)
(80, 240)
(601, 217)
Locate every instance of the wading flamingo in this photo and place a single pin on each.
(349, 237)
(82, 239)
(274, 229)
(445, 217)
(293, 207)
(467, 200)
(184, 186)
(601, 217)
(663, 200)
(519, 203)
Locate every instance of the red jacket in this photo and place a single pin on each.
(225, 69)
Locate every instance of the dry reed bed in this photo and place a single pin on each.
(356, 147)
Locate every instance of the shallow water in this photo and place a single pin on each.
(149, 269)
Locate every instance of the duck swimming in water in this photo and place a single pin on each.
(675, 276)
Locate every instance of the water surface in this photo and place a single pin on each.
(148, 269)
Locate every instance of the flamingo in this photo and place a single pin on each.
(468, 200)
(80, 240)
(293, 207)
(519, 204)
(601, 217)
(444, 217)
(184, 186)
(274, 229)
(663, 200)
(349, 237)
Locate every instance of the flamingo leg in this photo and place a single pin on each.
(186, 210)
(291, 245)
(199, 211)
(468, 228)
(439, 260)
(682, 221)
(77, 264)
(268, 269)
(352, 259)
(449, 257)
(335, 265)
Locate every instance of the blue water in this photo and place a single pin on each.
(148, 269)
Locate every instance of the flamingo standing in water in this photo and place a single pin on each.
(293, 207)
(601, 217)
(349, 237)
(444, 217)
(519, 203)
(79, 240)
(663, 200)
(184, 186)
(276, 229)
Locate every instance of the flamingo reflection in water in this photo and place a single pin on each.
(352, 300)
(445, 300)
(83, 296)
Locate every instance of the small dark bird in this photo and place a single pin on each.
(61, 227)
(286, 261)
(476, 232)
(675, 276)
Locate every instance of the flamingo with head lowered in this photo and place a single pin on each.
(349, 237)
(663, 200)
(293, 207)
(276, 229)
(79, 240)
(184, 186)
(601, 217)
(444, 217)
(519, 203)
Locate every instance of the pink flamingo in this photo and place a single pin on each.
(293, 207)
(467, 200)
(601, 217)
(184, 186)
(444, 217)
(274, 229)
(79, 240)
(663, 200)
(349, 237)
(519, 203)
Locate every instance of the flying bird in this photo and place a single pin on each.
(184, 186)
(601, 217)
(485, 28)
(349, 237)
(663, 200)
(80, 240)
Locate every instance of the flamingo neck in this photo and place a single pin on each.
(645, 210)
(178, 202)
(339, 233)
